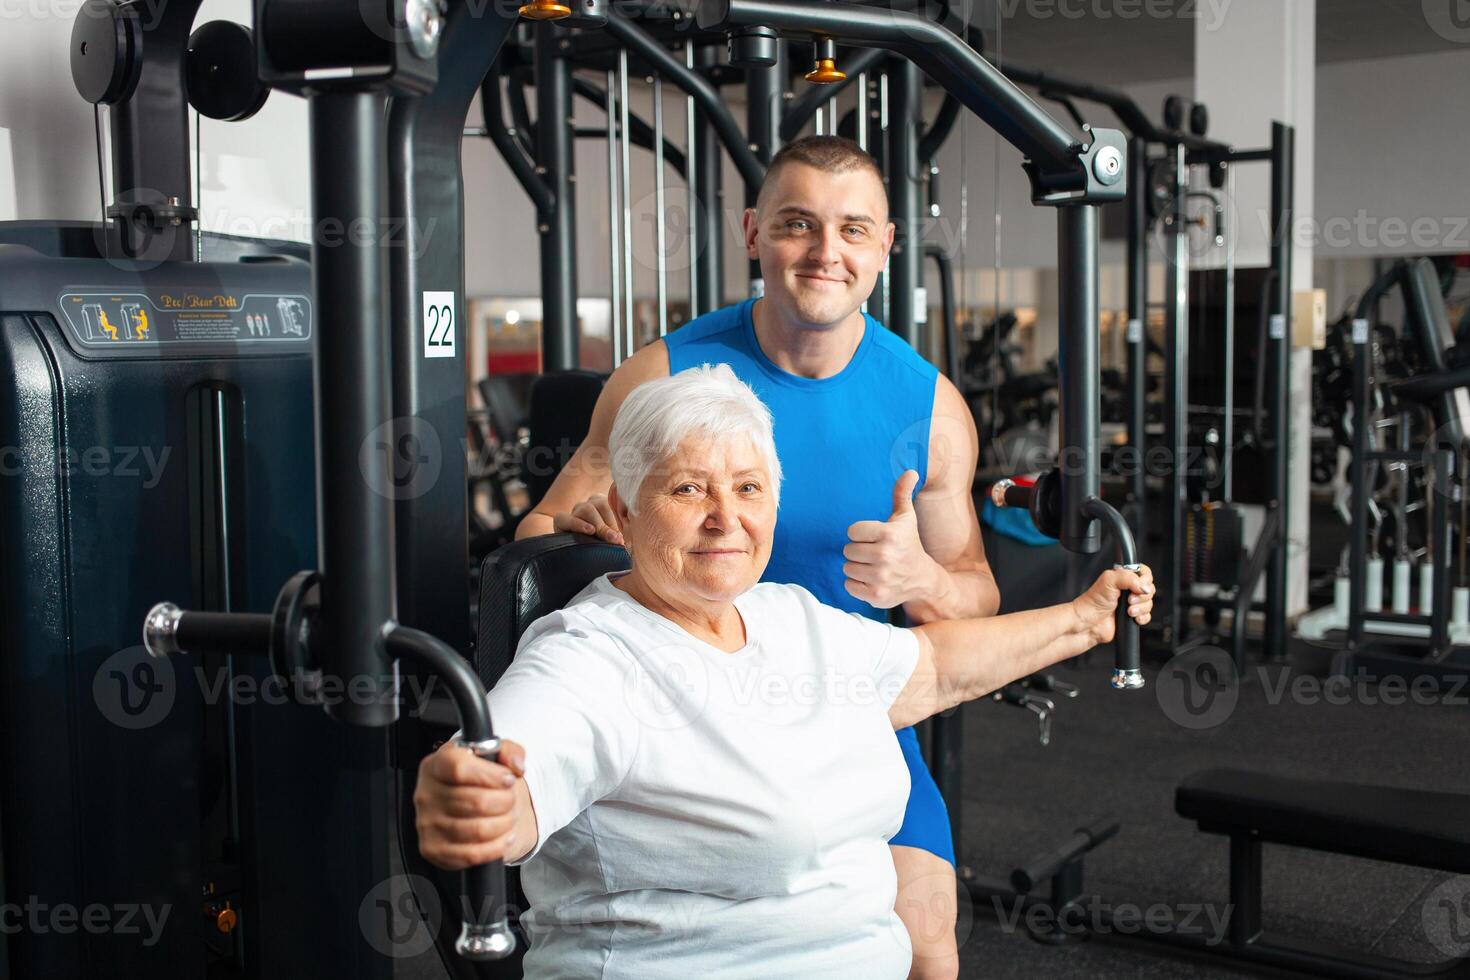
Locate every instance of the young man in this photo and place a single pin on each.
(861, 422)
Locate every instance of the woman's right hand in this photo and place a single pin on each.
(467, 809)
(593, 516)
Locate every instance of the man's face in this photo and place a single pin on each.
(821, 240)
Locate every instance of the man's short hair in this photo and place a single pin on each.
(829, 154)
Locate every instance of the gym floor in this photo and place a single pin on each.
(1119, 755)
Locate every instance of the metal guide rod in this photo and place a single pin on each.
(627, 191)
(615, 280)
(660, 256)
(1176, 421)
(691, 180)
(1228, 442)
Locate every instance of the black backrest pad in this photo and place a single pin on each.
(1407, 826)
(527, 579)
(561, 411)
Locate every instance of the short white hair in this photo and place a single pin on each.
(658, 415)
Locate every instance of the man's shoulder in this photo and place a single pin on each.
(897, 351)
(709, 326)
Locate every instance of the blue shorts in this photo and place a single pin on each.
(926, 820)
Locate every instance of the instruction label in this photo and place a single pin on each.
(1360, 331)
(146, 324)
(1278, 326)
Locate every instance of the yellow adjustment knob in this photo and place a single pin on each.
(226, 920)
(545, 10)
(826, 72)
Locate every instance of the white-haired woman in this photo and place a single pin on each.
(703, 776)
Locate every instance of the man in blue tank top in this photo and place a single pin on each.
(877, 448)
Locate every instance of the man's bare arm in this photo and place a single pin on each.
(587, 475)
(962, 584)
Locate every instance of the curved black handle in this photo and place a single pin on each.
(1127, 663)
(486, 934)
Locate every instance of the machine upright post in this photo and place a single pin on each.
(1283, 154)
(709, 226)
(906, 260)
(1138, 327)
(558, 228)
(1077, 355)
(1176, 398)
(355, 449)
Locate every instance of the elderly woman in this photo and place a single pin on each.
(705, 777)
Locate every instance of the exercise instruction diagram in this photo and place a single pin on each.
(188, 317)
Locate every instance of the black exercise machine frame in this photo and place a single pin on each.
(1268, 554)
(379, 112)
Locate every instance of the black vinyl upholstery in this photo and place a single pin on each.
(1406, 826)
(561, 412)
(524, 581)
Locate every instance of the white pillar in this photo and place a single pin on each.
(1254, 62)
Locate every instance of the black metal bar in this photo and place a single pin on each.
(1077, 357)
(905, 201)
(1245, 889)
(239, 634)
(1246, 588)
(1138, 328)
(804, 107)
(1083, 839)
(708, 243)
(558, 228)
(486, 932)
(1444, 477)
(638, 127)
(1127, 652)
(1283, 156)
(764, 88)
(640, 42)
(947, 310)
(949, 112)
(354, 516)
(150, 142)
(942, 55)
(1358, 541)
(426, 197)
(522, 167)
(1176, 404)
(520, 110)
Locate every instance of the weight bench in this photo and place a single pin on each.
(1415, 827)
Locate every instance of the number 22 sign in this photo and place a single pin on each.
(439, 325)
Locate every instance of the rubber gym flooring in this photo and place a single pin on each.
(1120, 755)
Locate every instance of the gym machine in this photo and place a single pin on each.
(1428, 411)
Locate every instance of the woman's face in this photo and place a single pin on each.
(705, 518)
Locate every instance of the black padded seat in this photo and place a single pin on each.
(524, 581)
(1406, 826)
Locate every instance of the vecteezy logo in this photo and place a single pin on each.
(133, 690)
(401, 458)
(1450, 19)
(1199, 688)
(670, 689)
(1446, 917)
(391, 918)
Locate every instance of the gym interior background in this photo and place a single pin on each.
(1282, 301)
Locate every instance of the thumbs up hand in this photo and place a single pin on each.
(886, 563)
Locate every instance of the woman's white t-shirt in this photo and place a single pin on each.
(705, 814)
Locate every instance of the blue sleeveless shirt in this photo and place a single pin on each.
(843, 441)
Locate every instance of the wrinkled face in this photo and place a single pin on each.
(821, 240)
(705, 518)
